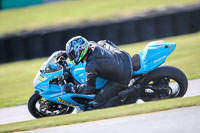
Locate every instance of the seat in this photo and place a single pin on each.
(136, 62)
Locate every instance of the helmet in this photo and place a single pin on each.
(77, 48)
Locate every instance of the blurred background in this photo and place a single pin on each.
(31, 30)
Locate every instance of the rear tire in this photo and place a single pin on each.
(169, 73)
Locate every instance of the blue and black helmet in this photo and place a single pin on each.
(77, 48)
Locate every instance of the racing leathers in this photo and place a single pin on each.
(105, 60)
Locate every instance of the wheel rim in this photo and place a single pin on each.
(163, 88)
(44, 107)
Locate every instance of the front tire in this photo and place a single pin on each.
(161, 78)
(40, 107)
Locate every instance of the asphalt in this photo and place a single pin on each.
(183, 120)
(20, 113)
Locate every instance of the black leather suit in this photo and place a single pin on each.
(106, 61)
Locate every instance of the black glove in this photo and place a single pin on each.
(60, 60)
(62, 53)
(69, 88)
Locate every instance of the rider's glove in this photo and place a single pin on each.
(62, 53)
(69, 88)
(60, 60)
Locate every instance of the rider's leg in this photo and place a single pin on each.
(129, 95)
(110, 90)
(124, 96)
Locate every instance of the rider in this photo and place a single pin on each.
(105, 60)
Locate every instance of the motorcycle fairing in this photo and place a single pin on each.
(55, 93)
(153, 55)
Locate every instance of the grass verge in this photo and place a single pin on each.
(101, 114)
(76, 11)
(17, 77)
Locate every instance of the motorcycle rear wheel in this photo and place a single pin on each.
(40, 107)
(166, 82)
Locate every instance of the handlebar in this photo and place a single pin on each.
(62, 61)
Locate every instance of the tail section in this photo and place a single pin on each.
(152, 56)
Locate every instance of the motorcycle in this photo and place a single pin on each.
(156, 81)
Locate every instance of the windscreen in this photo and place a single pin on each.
(52, 66)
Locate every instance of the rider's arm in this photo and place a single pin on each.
(90, 86)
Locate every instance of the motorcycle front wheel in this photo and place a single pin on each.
(163, 83)
(40, 107)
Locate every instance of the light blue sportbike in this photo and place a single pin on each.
(156, 82)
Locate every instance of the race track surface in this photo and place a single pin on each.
(20, 113)
(184, 120)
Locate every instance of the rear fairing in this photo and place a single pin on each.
(153, 55)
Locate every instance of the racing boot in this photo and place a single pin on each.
(126, 96)
(129, 95)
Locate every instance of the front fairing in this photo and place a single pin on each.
(78, 72)
(50, 70)
(53, 92)
(42, 80)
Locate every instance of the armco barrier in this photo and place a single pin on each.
(128, 31)
(179, 21)
(164, 26)
(3, 55)
(68, 33)
(109, 31)
(146, 29)
(195, 20)
(145, 26)
(91, 32)
(15, 49)
(52, 41)
(34, 46)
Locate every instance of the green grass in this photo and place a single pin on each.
(17, 78)
(101, 114)
(76, 11)
(16, 81)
